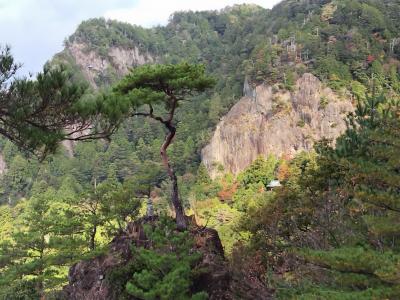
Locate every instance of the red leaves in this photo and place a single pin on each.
(371, 59)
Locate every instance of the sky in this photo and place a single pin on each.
(36, 29)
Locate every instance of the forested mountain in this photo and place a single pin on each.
(329, 232)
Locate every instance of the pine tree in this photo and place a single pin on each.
(43, 243)
(37, 114)
(164, 271)
(149, 89)
(367, 266)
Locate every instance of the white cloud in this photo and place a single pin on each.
(149, 13)
(10, 9)
(35, 29)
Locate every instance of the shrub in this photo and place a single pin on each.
(165, 270)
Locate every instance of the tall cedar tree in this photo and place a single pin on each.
(165, 86)
(38, 114)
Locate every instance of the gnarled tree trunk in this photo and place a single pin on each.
(180, 214)
(92, 238)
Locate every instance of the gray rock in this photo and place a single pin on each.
(280, 122)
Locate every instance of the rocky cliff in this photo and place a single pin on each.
(97, 69)
(117, 62)
(277, 122)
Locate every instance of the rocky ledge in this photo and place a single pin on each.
(88, 279)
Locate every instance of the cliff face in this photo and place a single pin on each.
(117, 61)
(275, 122)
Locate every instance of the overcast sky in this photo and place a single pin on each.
(35, 29)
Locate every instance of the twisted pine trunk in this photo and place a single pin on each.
(180, 214)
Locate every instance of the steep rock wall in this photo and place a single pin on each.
(275, 122)
(118, 60)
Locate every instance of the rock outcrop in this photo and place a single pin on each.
(3, 165)
(118, 60)
(275, 122)
(87, 279)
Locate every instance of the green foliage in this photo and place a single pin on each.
(18, 179)
(20, 290)
(333, 206)
(36, 113)
(358, 90)
(358, 261)
(338, 72)
(166, 86)
(337, 215)
(249, 197)
(204, 187)
(153, 84)
(260, 171)
(101, 34)
(165, 270)
(53, 229)
(338, 42)
(222, 217)
(323, 102)
(43, 242)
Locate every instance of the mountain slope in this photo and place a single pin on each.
(352, 46)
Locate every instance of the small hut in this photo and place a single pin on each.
(273, 184)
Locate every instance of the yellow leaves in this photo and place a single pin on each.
(327, 11)
(289, 277)
(6, 222)
(390, 273)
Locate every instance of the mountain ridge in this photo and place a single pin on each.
(329, 230)
(268, 46)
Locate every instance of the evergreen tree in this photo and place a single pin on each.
(41, 246)
(368, 156)
(38, 114)
(166, 86)
(164, 271)
(333, 228)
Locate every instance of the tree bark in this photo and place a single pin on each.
(92, 244)
(40, 283)
(179, 212)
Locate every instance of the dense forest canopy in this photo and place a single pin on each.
(331, 230)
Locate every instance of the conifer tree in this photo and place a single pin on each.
(36, 114)
(156, 91)
(165, 270)
(367, 157)
(44, 240)
(338, 213)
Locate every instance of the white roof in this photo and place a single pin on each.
(274, 183)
